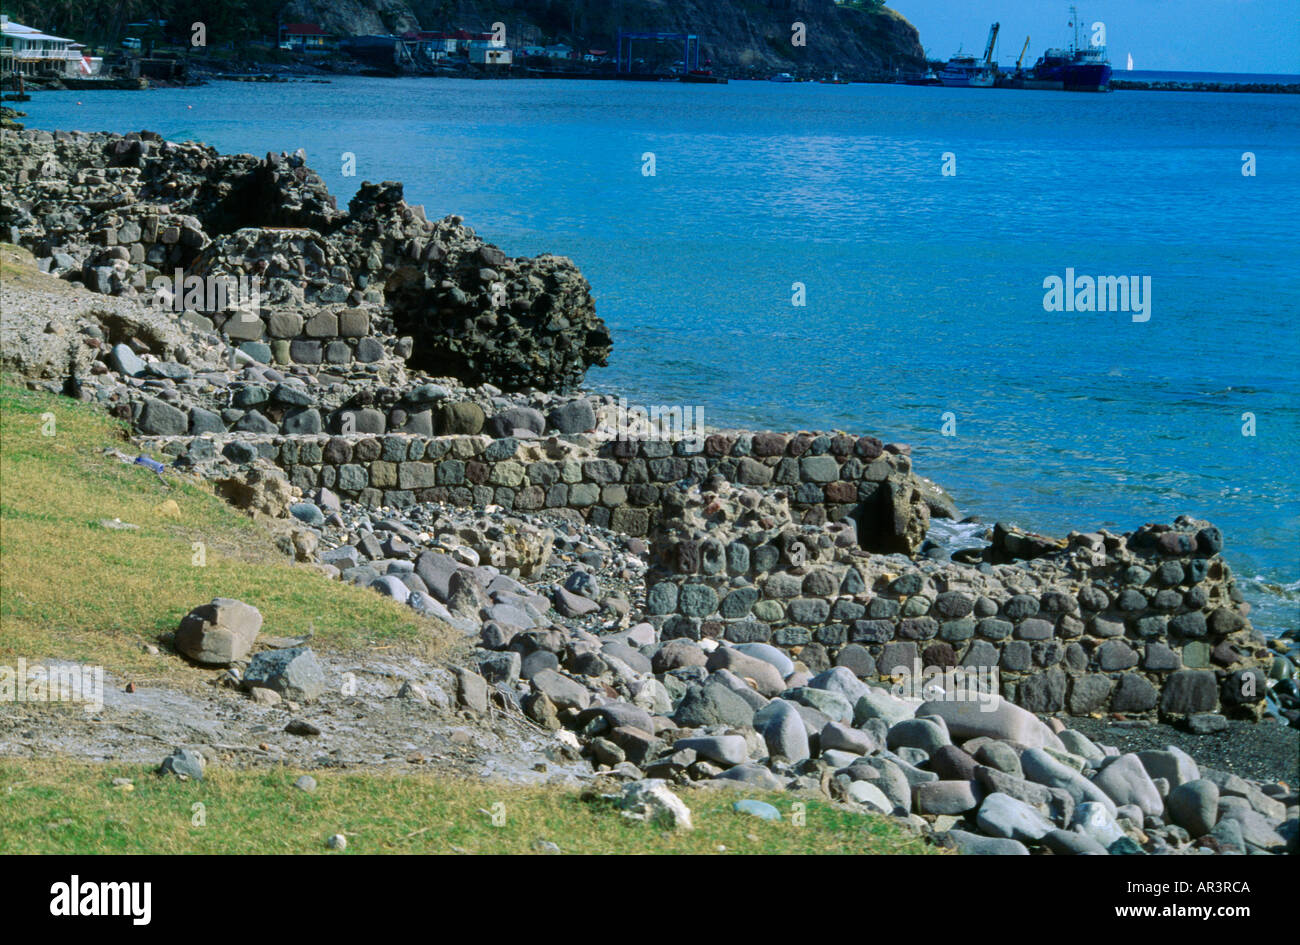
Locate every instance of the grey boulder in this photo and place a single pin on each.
(218, 633)
(294, 673)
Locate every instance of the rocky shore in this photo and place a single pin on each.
(401, 403)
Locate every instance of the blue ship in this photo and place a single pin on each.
(1081, 68)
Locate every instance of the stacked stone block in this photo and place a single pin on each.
(1140, 624)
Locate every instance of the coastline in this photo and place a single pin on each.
(766, 572)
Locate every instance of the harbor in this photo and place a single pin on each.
(32, 60)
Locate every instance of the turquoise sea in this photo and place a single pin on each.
(924, 292)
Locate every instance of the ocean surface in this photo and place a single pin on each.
(924, 292)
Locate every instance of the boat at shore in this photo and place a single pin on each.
(781, 77)
(965, 71)
(929, 77)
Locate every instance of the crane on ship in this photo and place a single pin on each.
(1023, 49)
(993, 39)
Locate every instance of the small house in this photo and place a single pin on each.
(305, 37)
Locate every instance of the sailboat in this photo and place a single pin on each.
(1130, 62)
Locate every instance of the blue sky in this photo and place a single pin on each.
(1193, 35)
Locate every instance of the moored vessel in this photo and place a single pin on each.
(965, 71)
(1081, 68)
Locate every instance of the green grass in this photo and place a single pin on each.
(77, 590)
(64, 807)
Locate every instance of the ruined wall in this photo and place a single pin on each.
(1143, 623)
(616, 484)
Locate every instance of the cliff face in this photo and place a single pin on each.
(353, 17)
(739, 36)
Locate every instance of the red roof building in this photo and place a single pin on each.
(305, 36)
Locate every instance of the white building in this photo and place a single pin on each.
(28, 51)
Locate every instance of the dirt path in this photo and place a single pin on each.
(370, 727)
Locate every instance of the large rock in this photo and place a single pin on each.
(992, 717)
(924, 734)
(783, 730)
(713, 704)
(766, 678)
(770, 654)
(185, 763)
(561, 690)
(876, 703)
(867, 794)
(161, 419)
(1194, 806)
(836, 736)
(293, 673)
(1044, 769)
(1125, 781)
(947, 797)
(842, 680)
(543, 331)
(972, 844)
(1003, 816)
(1189, 691)
(651, 800)
(726, 750)
(1173, 764)
(218, 633)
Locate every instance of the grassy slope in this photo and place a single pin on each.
(59, 807)
(77, 590)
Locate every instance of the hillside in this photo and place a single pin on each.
(739, 36)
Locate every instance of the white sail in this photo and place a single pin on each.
(1130, 62)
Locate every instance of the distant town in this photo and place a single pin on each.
(155, 50)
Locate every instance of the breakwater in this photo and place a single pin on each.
(1174, 85)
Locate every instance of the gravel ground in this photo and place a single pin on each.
(1263, 751)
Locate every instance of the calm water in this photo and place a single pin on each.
(924, 292)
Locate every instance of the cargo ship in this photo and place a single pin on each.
(1081, 68)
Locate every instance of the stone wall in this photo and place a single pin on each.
(1142, 623)
(618, 484)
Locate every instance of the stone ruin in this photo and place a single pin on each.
(1143, 623)
(357, 287)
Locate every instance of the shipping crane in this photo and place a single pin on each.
(1023, 49)
(993, 38)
